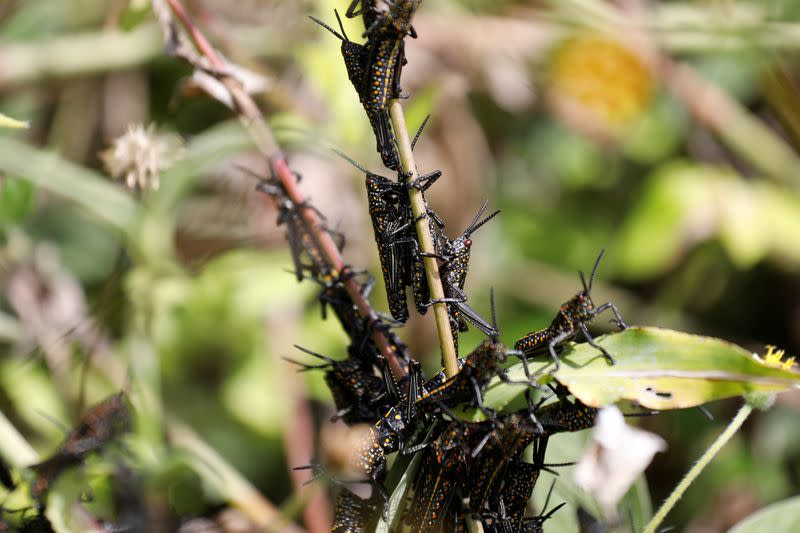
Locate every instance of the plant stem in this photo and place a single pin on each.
(698, 467)
(425, 239)
(253, 121)
(766, 151)
(217, 471)
(13, 446)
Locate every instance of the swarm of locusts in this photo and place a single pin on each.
(469, 470)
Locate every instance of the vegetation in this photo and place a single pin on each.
(143, 259)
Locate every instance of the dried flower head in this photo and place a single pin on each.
(138, 156)
(615, 457)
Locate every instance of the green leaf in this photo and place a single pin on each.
(777, 518)
(658, 368)
(86, 188)
(16, 199)
(8, 122)
(672, 210)
(683, 203)
(134, 14)
(394, 505)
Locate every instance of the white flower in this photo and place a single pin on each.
(615, 457)
(137, 157)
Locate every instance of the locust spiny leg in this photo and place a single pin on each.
(551, 347)
(591, 342)
(617, 321)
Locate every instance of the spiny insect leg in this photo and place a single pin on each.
(524, 358)
(555, 341)
(351, 9)
(491, 414)
(424, 182)
(590, 340)
(617, 317)
(470, 314)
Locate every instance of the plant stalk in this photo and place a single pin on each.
(253, 121)
(698, 467)
(425, 239)
(216, 470)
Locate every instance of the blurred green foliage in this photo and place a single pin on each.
(697, 233)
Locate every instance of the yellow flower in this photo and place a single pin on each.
(774, 358)
(596, 80)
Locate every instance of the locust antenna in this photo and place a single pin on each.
(351, 161)
(496, 336)
(341, 26)
(315, 354)
(583, 282)
(474, 225)
(419, 131)
(594, 268)
(305, 367)
(552, 512)
(336, 33)
(547, 500)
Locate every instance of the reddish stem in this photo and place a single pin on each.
(254, 120)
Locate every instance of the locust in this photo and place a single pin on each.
(455, 255)
(354, 386)
(96, 428)
(443, 465)
(353, 514)
(475, 372)
(571, 318)
(301, 239)
(395, 18)
(359, 61)
(505, 522)
(393, 226)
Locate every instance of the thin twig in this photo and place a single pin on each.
(425, 239)
(698, 467)
(255, 124)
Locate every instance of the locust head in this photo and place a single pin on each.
(353, 53)
(463, 243)
(582, 306)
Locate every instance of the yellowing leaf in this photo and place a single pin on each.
(659, 369)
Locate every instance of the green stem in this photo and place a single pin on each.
(409, 167)
(217, 472)
(698, 467)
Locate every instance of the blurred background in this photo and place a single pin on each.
(666, 133)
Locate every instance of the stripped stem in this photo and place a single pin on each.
(254, 122)
(425, 239)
